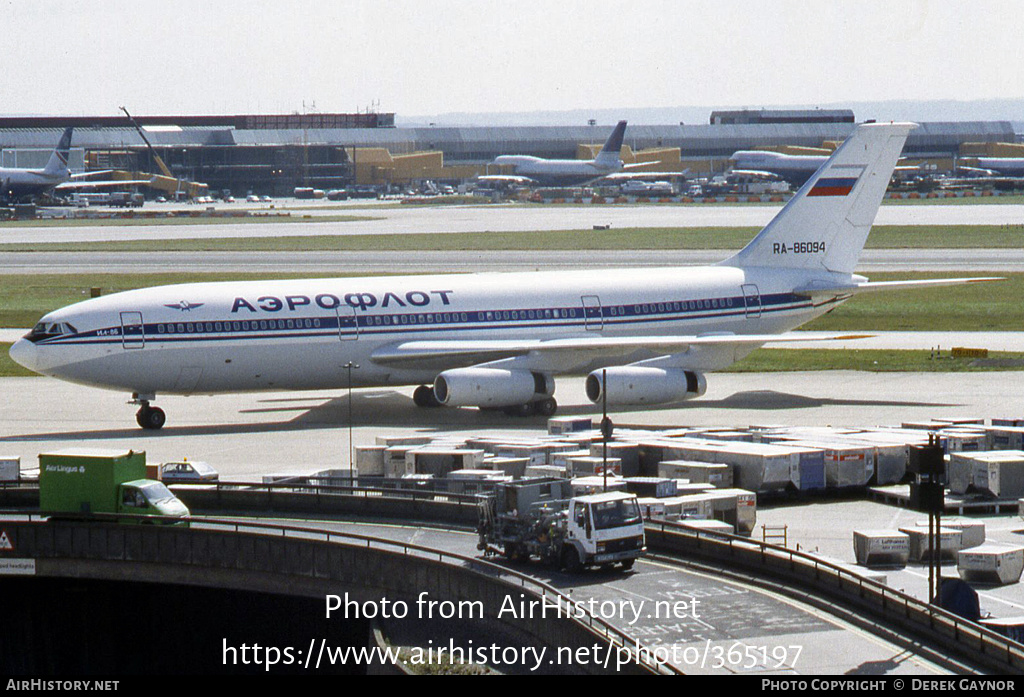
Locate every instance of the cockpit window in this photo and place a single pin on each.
(48, 330)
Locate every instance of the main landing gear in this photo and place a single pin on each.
(424, 397)
(148, 417)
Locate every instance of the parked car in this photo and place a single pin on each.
(188, 472)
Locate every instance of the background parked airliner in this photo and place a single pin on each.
(488, 340)
(527, 169)
(18, 183)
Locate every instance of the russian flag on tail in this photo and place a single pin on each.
(837, 183)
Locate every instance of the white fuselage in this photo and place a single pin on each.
(557, 172)
(300, 334)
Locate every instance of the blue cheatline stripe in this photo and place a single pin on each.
(574, 317)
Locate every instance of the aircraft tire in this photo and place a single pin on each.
(423, 397)
(151, 418)
(546, 407)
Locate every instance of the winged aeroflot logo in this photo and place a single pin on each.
(185, 306)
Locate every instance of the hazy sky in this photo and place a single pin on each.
(434, 56)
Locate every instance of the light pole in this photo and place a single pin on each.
(349, 366)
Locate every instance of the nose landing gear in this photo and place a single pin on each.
(148, 417)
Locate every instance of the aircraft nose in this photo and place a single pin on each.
(23, 352)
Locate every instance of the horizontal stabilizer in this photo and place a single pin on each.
(872, 286)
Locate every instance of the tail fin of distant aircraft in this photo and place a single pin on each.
(609, 155)
(825, 225)
(58, 162)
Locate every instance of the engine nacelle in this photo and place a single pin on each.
(628, 385)
(490, 387)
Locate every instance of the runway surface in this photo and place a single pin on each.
(952, 261)
(505, 218)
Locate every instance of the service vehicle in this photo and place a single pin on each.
(541, 518)
(188, 472)
(81, 482)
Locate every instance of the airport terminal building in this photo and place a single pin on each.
(274, 154)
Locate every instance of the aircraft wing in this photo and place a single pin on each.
(626, 176)
(555, 352)
(759, 173)
(869, 286)
(102, 184)
(87, 175)
(505, 178)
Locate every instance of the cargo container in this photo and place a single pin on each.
(559, 425)
(714, 473)
(714, 526)
(596, 485)
(370, 460)
(86, 481)
(994, 564)
(949, 538)
(997, 473)
(429, 459)
(10, 469)
(1005, 437)
(656, 487)
(511, 466)
(972, 532)
(881, 547)
(628, 455)
(588, 464)
(546, 471)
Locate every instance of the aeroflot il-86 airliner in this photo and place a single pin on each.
(489, 340)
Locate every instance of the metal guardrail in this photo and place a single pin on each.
(615, 637)
(413, 492)
(892, 604)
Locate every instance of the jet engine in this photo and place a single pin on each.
(490, 387)
(629, 385)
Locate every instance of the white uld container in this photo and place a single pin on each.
(370, 460)
(545, 471)
(996, 564)
(972, 532)
(584, 486)
(715, 473)
(708, 525)
(10, 469)
(512, 466)
(949, 538)
(396, 465)
(390, 441)
(881, 547)
(559, 425)
(589, 464)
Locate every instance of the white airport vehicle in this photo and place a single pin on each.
(527, 169)
(542, 519)
(642, 337)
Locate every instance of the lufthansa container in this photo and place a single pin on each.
(949, 538)
(651, 507)
(561, 459)
(997, 473)
(963, 441)
(688, 507)
(396, 465)
(651, 486)
(846, 464)
(881, 547)
(10, 469)
(994, 564)
(390, 441)
(535, 452)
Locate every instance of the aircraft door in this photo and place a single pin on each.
(348, 323)
(751, 300)
(133, 335)
(592, 315)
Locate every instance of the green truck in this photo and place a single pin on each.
(86, 481)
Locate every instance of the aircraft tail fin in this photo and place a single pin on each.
(58, 162)
(609, 155)
(825, 225)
